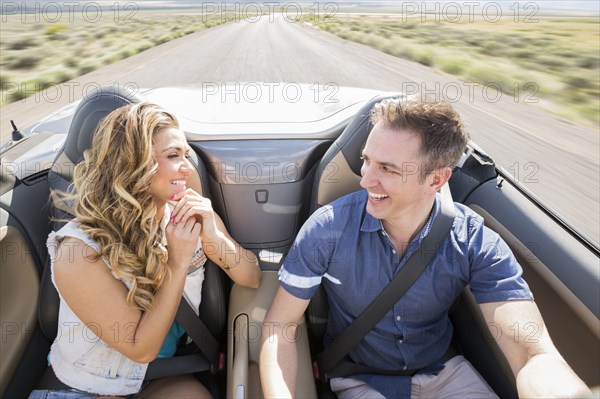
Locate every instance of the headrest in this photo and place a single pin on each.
(91, 110)
(338, 173)
(354, 137)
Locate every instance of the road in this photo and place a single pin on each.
(557, 160)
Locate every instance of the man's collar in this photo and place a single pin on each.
(437, 207)
(370, 224)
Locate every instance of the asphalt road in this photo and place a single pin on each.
(557, 160)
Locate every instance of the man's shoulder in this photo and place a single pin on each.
(470, 228)
(343, 207)
(355, 199)
(466, 216)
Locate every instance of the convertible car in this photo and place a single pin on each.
(266, 162)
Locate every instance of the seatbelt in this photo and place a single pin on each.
(197, 330)
(329, 361)
(209, 357)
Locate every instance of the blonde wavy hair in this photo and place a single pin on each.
(113, 202)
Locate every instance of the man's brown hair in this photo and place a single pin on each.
(440, 128)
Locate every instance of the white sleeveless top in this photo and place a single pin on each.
(78, 356)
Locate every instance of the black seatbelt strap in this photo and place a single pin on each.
(197, 330)
(177, 365)
(331, 357)
(209, 357)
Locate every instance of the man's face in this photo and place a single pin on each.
(391, 174)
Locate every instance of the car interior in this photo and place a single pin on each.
(264, 189)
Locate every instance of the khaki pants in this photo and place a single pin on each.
(458, 379)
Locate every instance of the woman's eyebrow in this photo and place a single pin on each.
(173, 147)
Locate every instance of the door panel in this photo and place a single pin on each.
(562, 272)
(24, 226)
(19, 282)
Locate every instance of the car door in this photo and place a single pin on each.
(24, 226)
(561, 267)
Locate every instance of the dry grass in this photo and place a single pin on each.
(559, 56)
(37, 52)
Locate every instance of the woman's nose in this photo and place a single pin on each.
(186, 166)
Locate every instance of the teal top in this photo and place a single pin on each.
(169, 347)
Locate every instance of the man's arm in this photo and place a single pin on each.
(278, 356)
(539, 368)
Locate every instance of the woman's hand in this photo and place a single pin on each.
(239, 263)
(182, 239)
(190, 203)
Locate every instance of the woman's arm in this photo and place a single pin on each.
(100, 301)
(240, 264)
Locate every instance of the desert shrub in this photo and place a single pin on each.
(452, 65)
(88, 66)
(489, 76)
(577, 82)
(26, 61)
(4, 79)
(56, 29)
(588, 61)
(424, 56)
(23, 43)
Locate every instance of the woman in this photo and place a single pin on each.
(138, 243)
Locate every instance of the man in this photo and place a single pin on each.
(354, 247)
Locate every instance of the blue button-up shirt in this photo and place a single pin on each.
(348, 251)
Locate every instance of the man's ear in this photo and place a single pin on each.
(439, 177)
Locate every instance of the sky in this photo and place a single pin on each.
(583, 5)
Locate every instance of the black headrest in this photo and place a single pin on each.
(354, 136)
(338, 172)
(93, 107)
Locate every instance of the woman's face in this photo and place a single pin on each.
(170, 150)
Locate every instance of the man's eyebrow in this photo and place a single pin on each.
(386, 164)
(389, 165)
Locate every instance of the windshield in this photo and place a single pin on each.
(523, 74)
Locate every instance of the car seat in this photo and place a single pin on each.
(92, 109)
